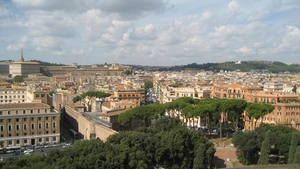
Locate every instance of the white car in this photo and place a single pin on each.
(28, 151)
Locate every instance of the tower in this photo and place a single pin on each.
(256, 55)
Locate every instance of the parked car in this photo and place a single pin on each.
(37, 147)
(67, 145)
(16, 153)
(56, 145)
(48, 146)
(28, 151)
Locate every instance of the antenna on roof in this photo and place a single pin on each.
(256, 55)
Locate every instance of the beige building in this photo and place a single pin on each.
(28, 124)
(133, 97)
(13, 95)
(23, 68)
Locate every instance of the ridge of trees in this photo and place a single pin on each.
(166, 144)
(244, 66)
(47, 63)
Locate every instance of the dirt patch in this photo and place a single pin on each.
(225, 156)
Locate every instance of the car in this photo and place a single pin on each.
(37, 147)
(48, 146)
(28, 151)
(56, 145)
(16, 153)
(66, 146)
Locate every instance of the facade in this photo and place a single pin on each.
(13, 95)
(28, 124)
(23, 68)
(287, 107)
(133, 97)
(4, 68)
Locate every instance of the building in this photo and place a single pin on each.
(28, 124)
(4, 68)
(133, 98)
(23, 68)
(13, 95)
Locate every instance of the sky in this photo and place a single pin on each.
(150, 32)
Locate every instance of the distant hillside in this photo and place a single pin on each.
(47, 63)
(244, 66)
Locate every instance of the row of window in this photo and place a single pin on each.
(10, 101)
(25, 134)
(25, 119)
(12, 91)
(23, 111)
(286, 120)
(10, 97)
(129, 95)
(17, 126)
(25, 141)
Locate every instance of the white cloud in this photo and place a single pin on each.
(78, 52)
(244, 50)
(133, 9)
(54, 5)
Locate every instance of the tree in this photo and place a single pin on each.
(297, 156)
(293, 147)
(148, 84)
(294, 90)
(127, 72)
(87, 98)
(265, 150)
(258, 110)
(18, 79)
(199, 158)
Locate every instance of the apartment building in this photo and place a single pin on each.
(13, 95)
(287, 105)
(28, 124)
(132, 96)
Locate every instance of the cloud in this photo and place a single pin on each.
(133, 9)
(266, 11)
(77, 6)
(78, 52)
(244, 50)
(44, 23)
(143, 33)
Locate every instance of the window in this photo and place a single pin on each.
(53, 125)
(37, 95)
(17, 119)
(10, 142)
(42, 95)
(25, 126)
(40, 118)
(24, 119)
(32, 126)
(18, 141)
(0, 112)
(17, 112)
(46, 118)
(38, 110)
(25, 141)
(40, 139)
(53, 131)
(31, 111)
(32, 118)
(9, 120)
(53, 118)
(47, 132)
(24, 111)
(45, 110)
(8, 112)
(17, 127)
(47, 125)
(25, 134)
(32, 133)
(40, 125)
(47, 138)
(54, 138)
(1, 135)
(1, 128)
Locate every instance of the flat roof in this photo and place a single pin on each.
(23, 105)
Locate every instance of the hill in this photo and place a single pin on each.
(244, 66)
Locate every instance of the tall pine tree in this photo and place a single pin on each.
(293, 147)
(297, 156)
(265, 149)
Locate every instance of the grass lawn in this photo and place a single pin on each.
(226, 141)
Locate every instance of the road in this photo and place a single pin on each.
(35, 151)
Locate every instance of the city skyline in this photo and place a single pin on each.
(155, 33)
